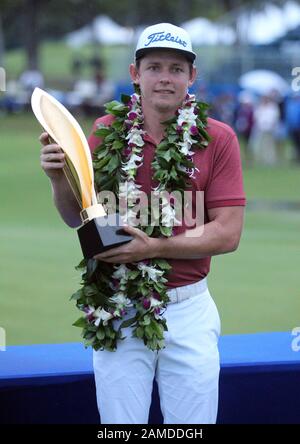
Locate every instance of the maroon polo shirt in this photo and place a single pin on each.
(218, 174)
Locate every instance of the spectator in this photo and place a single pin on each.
(244, 118)
(262, 142)
(244, 115)
(292, 119)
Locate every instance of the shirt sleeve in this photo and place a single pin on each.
(225, 187)
(93, 140)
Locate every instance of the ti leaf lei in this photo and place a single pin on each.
(116, 296)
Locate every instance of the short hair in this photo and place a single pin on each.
(138, 63)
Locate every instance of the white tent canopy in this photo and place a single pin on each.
(254, 27)
(102, 30)
(269, 24)
(206, 32)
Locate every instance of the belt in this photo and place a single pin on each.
(180, 294)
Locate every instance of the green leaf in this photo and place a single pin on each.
(99, 164)
(157, 329)
(166, 156)
(152, 344)
(173, 173)
(133, 274)
(144, 290)
(89, 334)
(139, 332)
(113, 104)
(102, 132)
(162, 263)
(81, 265)
(117, 125)
(128, 322)
(92, 265)
(166, 231)
(125, 98)
(158, 287)
(118, 107)
(90, 342)
(176, 156)
(162, 146)
(100, 333)
(99, 154)
(81, 322)
(76, 296)
(112, 164)
(110, 332)
(149, 331)
(146, 320)
(117, 145)
(108, 344)
(90, 290)
(149, 230)
(172, 138)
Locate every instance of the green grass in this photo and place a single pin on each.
(277, 183)
(256, 288)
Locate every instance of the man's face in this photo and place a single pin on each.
(164, 77)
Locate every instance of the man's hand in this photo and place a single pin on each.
(140, 248)
(53, 162)
(52, 158)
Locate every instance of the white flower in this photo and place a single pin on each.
(187, 115)
(129, 188)
(184, 148)
(188, 138)
(128, 192)
(120, 299)
(121, 272)
(130, 217)
(191, 98)
(131, 164)
(135, 136)
(168, 216)
(155, 302)
(152, 272)
(102, 315)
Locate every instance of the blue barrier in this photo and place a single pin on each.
(54, 384)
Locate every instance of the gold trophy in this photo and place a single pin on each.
(99, 232)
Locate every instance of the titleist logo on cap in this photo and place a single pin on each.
(161, 36)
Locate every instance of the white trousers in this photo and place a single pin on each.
(186, 370)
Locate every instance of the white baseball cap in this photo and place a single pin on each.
(165, 35)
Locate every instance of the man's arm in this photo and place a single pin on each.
(220, 235)
(52, 162)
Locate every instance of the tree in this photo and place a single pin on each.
(31, 13)
(1, 43)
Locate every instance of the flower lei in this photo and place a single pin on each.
(108, 291)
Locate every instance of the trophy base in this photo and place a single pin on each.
(101, 234)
